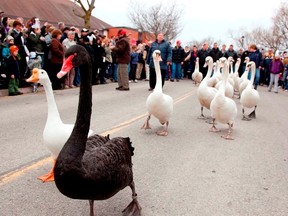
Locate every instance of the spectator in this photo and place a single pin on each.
(57, 55)
(68, 42)
(231, 53)
(13, 72)
(276, 67)
(215, 53)
(256, 56)
(178, 56)
(4, 28)
(36, 42)
(186, 63)
(265, 70)
(133, 64)
(202, 54)
(19, 41)
(122, 50)
(166, 55)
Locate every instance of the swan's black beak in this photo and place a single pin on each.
(66, 67)
(158, 57)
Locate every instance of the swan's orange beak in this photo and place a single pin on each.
(66, 67)
(34, 77)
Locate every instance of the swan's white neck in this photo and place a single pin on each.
(253, 71)
(209, 71)
(158, 86)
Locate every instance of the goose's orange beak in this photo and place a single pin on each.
(34, 77)
(66, 67)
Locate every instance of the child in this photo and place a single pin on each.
(133, 63)
(34, 62)
(276, 67)
(13, 72)
(9, 41)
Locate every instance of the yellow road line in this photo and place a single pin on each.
(17, 173)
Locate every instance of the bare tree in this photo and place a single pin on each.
(157, 18)
(280, 22)
(87, 12)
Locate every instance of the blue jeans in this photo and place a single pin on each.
(256, 78)
(176, 71)
(77, 77)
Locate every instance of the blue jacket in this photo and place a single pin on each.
(134, 58)
(256, 57)
(166, 54)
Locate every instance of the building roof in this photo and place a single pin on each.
(52, 11)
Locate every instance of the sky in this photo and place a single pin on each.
(201, 19)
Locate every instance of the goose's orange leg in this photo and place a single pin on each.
(49, 176)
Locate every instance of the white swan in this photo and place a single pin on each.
(197, 76)
(243, 81)
(55, 133)
(236, 75)
(229, 89)
(250, 97)
(205, 93)
(223, 109)
(159, 104)
(217, 76)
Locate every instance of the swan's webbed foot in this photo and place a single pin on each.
(209, 120)
(228, 136)
(162, 132)
(213, 128)
(133, 209)
(252, 114)
(49, 176)
(245, 118)
(146, 124)
(201, 117)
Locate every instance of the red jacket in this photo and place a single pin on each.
(57, 51)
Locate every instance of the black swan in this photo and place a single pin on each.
(93, 168)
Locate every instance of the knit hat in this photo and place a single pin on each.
(13, 49)
(121, 32)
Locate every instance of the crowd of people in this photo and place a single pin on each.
(26, 45)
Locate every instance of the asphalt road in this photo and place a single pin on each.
(190, 172)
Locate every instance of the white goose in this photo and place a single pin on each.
(205, 93)
(55, 133)
(197, 76)
(250, 97)
(223, 109)
(159, 104)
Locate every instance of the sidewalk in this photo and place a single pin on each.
(25, 90)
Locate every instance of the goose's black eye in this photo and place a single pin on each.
(42, 72)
